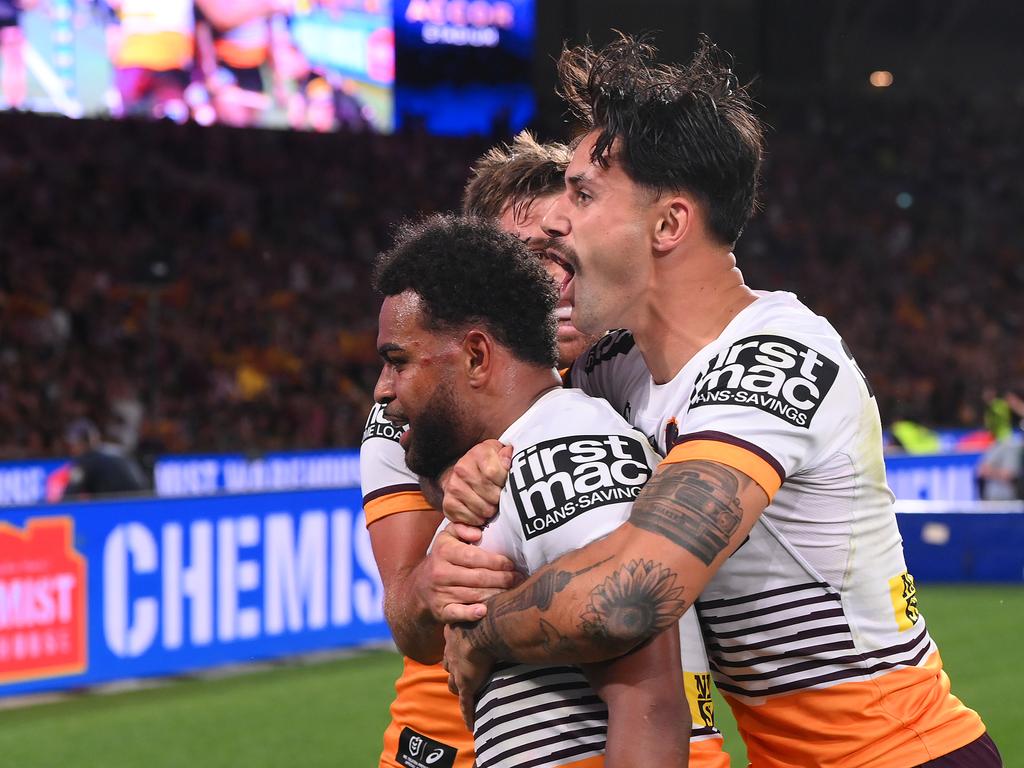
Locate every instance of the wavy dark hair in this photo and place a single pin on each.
(466, 271)
(686, 128)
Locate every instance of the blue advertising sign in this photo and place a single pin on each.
(27, 482)
(202, 475)
(93, 592)
(464, 66)
(505, 24)
(949, 477)
(954, 542)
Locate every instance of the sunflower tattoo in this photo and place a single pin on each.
(634, 603)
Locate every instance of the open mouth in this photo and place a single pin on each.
(569, 269)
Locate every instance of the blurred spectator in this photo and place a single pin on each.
(98, 468)
(206, 288)
(1001, 470)
(199, 289)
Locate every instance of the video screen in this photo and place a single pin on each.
(316, 65)
(465, 67)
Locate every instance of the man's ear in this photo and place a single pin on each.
(675, 222)
(478, 353)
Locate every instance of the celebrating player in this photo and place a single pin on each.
(467, 334)
(770, 510)
(514, 185)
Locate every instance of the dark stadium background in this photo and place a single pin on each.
(214, 280)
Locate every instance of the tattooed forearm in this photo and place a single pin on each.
(693, 504)
(538, 592)
(637, 601)
(554, 642)
(485, 635)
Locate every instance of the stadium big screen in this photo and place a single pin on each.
(303, 64)
(463, 66)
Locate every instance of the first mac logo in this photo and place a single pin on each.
(779, 376)
(42, 601)
(554, 481)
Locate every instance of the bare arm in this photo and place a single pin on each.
(648, 718)
(416, 584)
(601, 601)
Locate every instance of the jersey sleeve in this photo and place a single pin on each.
(605, 369)
(566, 492)
(388, 485)
(769, 406)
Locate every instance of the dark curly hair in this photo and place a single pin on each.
(679, 128)
(467, 271)
(515, 174)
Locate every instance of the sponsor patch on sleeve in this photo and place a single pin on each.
(774, 374)
(557, 480)
(417, 751)
(378, 426)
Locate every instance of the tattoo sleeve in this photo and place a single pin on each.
(605, 599)
(696, 506)
(635, 602)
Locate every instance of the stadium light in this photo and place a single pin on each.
(880, 78)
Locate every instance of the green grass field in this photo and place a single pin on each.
(333, 714)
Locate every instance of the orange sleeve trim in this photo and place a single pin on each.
(753, 465)
(405, 501)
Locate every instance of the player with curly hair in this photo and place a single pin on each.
(467, 335)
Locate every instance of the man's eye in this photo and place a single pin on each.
(582, 197)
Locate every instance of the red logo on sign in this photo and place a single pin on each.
(42, 601)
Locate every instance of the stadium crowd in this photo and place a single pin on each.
(206, 289)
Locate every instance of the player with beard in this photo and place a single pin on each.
(770, 509)
(467, 336)
(513, 184)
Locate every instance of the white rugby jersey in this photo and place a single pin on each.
(576, 470)
(389, 487)
(426, 722)
(812, 625)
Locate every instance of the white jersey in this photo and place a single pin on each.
(610, 486)
(577, 468)
(813, 621)
(389, 486)
(425, 718)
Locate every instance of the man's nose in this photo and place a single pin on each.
(384, 390)
(555, 223)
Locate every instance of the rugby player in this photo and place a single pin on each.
(467, 336)
(770, 509)
(513, 184)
